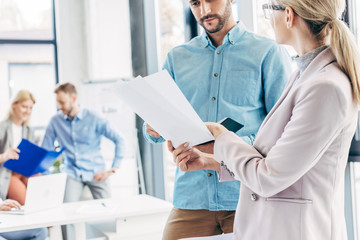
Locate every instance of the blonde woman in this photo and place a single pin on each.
(12, 130)
(293, 176)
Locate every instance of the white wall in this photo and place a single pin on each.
(94, 46)
(72, 58)
(108, 37)
(94, 41)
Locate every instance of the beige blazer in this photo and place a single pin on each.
(293, 176)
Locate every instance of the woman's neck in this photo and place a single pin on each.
(303, 40)
(305, 48)
(17, 121)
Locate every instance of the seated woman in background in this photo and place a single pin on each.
(34, 234)
(12, 130)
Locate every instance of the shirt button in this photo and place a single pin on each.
(209, 174)
(213, 98)
(215, 74)
(253, 197)
(218, 52)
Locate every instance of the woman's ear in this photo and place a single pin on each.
(289, 17)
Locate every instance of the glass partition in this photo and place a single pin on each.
(27, 55)
(24, 19)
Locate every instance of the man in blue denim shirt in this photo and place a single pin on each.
(225, 72)
(79, 130)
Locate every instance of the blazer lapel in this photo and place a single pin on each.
(9, 133)
(282, 97)
(322, 60)
(325, 58)
(25, 133)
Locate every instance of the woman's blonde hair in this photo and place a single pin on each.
(322, 17)
(23, 95)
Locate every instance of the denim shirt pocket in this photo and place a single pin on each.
(85, 135)
(239, 87)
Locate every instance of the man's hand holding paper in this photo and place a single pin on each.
(192, 159)
(152, 131)
(161, 104)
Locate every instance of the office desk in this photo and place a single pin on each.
(135, 216)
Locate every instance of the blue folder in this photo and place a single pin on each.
(32, 159)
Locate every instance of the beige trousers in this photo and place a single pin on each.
(183, 223)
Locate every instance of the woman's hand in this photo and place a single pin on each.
(216, 129)
(8, 204)
(10, 153)
(192, 159)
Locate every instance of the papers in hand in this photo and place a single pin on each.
(160, 103)
(32, 159)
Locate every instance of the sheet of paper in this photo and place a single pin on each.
(228, 236)
(96, 208)
(159, 102)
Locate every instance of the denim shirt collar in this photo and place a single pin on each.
(78, 116)
(232, 37)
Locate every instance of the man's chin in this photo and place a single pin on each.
(213, 28)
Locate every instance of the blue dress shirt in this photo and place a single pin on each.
(81, 137)
(241, 79)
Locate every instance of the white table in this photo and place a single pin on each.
(136, 216)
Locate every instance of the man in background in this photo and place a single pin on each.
(79, 130)
(225, 72)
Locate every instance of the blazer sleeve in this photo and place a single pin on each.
(316, 120)
(225, 174)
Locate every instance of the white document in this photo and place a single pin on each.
(96, 208)
(160, 103)
(228, 236)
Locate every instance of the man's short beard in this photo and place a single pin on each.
(69, 111)
(220, 25)
(222, 19)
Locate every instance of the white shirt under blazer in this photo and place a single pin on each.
(293, 176)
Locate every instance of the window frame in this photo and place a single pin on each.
(53, 42)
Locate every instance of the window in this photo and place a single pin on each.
(27, 55)
(171, 26)
(263, 25)
(171, 35)
(23, 19)
(264, 28)
(354, 167)
(357, 20)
